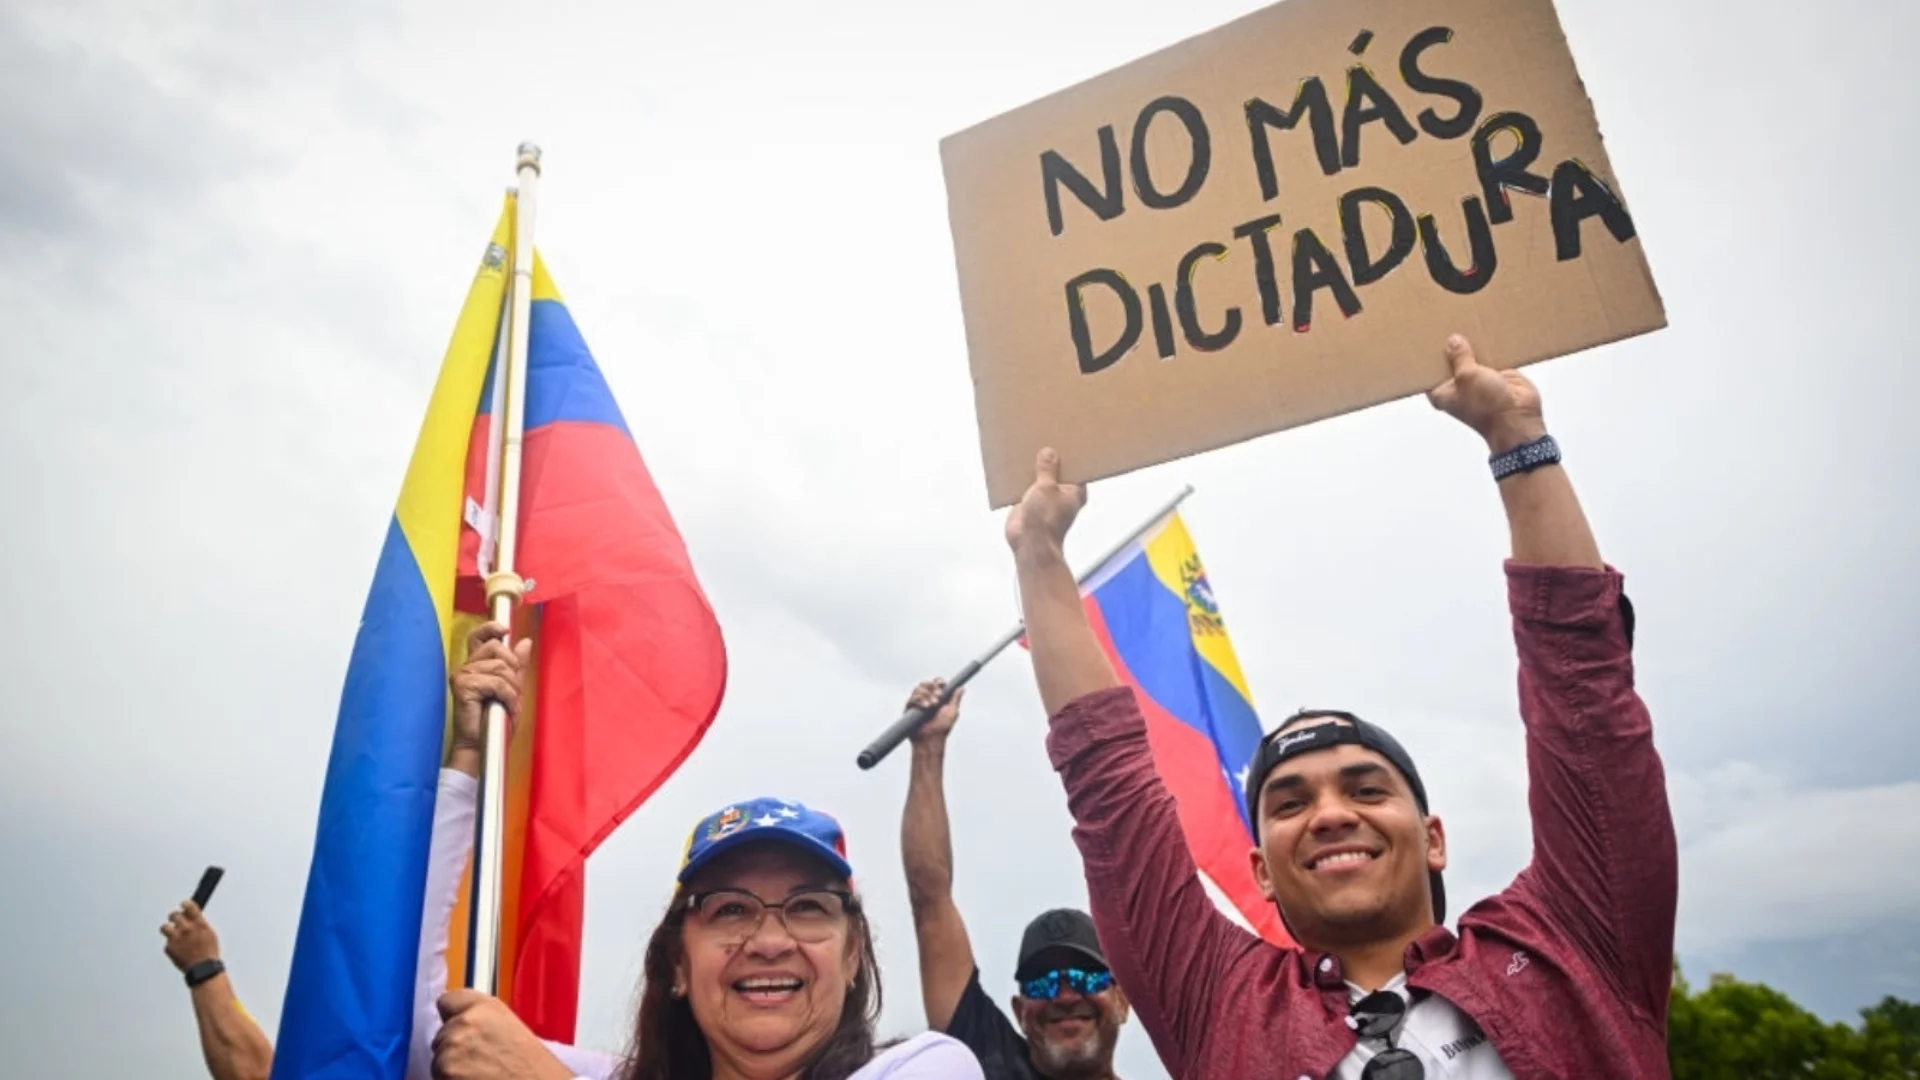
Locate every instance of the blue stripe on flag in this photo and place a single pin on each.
(563, 382)
(349, 1003)
(1150, 631)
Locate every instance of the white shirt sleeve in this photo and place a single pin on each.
(452, 843)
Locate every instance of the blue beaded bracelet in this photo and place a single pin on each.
(1525, 458)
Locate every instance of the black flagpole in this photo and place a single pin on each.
(911, 720)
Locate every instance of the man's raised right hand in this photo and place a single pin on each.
(1038, 524)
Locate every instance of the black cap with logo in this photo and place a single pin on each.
(1288, 743)
(1061, 928)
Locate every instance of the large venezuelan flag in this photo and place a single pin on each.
(1154, 612)
(629, 669)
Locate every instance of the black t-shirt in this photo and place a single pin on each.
(986, 1031)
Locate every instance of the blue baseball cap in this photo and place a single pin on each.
(768, 819)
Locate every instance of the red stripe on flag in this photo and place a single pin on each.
(632, 668)
(1190, 769)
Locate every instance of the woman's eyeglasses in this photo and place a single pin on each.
(1379, 1016)
(1047, 986)
(734, 915)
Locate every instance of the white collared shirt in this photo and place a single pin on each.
(1446, 1040)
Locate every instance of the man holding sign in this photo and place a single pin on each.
(1564, 974)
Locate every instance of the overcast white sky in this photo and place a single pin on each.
(233, 239)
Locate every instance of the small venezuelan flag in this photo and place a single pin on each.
(1154, 612)
(629, 668)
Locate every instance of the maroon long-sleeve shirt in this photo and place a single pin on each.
(1567, 970)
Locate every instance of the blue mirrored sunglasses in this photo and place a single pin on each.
(1047, 987)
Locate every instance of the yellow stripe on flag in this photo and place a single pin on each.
(1177, 564)
(433, 494)
(543, 286)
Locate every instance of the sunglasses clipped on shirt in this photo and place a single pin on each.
(1047, 986)
(1379, 1016)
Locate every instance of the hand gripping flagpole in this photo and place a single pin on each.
(911, 720)
(504, 590)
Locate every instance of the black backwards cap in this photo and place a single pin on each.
(1291, 742)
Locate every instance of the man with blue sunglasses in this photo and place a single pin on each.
(1068, 1008)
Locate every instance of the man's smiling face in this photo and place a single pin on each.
(1072, 1035)
(1344, 850)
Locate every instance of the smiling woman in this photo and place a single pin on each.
(763, 967)
(764, 964)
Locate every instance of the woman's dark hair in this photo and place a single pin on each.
(669, 1045)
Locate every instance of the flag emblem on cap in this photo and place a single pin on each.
(752, 821)
(729, 820)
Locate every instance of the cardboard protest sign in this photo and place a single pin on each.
(1280, 221)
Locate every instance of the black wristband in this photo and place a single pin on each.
(204, 970)
(1525, 458)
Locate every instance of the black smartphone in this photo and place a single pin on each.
(207, 881)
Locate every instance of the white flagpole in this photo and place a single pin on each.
(504, 590)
